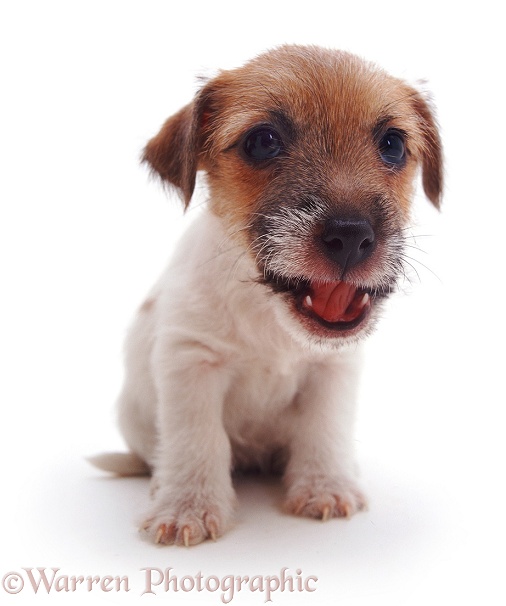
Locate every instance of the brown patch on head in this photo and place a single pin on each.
(329, 107)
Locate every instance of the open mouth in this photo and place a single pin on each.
(336, 306)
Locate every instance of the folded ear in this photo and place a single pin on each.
(173, 152)
(431, 151)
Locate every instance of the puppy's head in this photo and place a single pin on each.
(310, 157)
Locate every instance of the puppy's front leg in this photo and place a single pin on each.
(321, 469)
(194, 497)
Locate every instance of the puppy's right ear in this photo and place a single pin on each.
(173, 152)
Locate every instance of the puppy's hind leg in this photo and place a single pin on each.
(139, 433)
(136, 405)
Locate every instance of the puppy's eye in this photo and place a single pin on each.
(262, 143)
(392, 148)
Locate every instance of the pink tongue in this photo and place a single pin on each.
(330, 301)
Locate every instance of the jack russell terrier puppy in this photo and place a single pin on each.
(245, 355)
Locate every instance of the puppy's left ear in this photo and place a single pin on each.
(431, 151)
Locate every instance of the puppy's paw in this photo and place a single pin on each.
(187, 522)
(324, 499)
(184, 528)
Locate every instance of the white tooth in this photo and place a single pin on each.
(365, 300)
(308, 301)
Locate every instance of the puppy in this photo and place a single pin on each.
(245, 354)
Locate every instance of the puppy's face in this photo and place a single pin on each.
(310, 158)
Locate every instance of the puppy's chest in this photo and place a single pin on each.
(262, 399)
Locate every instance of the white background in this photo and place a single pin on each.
(84, 232)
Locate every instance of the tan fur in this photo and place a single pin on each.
(346, 109)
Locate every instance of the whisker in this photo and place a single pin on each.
(423, 265)
(416, 248)
(415, 236)
(413, 268)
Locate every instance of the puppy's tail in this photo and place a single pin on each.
(121, 463)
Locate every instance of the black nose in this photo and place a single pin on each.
(348, 241)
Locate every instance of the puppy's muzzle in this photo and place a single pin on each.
(347, 242)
